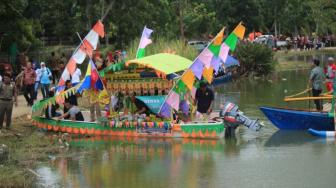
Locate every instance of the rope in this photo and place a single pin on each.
(303, 92)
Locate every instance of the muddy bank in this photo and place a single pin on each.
(23, 147)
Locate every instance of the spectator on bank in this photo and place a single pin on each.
(29, 77)
(7, 94)
(53, 65)
(45, 79)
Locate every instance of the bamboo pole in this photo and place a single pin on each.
(307, 98)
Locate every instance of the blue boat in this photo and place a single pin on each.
(324, 134)
(222, 79)
(287, 119)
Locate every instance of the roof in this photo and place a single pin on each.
(163, 62)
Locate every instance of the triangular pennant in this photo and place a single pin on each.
(219, 38)
(205, 57)
(188, 78)
(208, 74)
(215, 49)
(239, 31)
(215, 63)
(197, 68)
(99, 28)
(224, 51)
(231, 41)
(173, 100)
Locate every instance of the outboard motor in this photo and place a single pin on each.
(233, 117)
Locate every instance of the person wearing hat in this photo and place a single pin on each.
(330, 74)
(204, 98)
(45, 75)
(316, 80)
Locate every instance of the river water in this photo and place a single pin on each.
(268, 158)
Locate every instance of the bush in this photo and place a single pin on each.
(255, 58)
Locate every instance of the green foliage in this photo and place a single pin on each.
(255, 58)
(27, 21)
(161, 45)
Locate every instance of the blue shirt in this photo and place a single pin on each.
(45, 75)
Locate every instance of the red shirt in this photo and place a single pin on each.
(29, 76)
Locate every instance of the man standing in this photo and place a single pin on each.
(7, 92)
(316, 82)
(29, 77)
(204, 100)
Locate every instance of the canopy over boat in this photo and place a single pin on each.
(163, 62)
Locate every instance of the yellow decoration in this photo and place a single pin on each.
(208, 74)
(219, 38)
(188, 78)
(239, 31)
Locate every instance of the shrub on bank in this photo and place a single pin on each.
(256, 59)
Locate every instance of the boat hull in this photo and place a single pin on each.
(212, 130)
(324, 134)
(222, 79)
(286, 119)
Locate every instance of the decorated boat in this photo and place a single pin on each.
(165, 122)
(207, 130)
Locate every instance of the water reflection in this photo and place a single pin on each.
(115, 162)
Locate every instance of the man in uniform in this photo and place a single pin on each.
(7, 93)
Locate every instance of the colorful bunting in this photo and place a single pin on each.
(215, 49)
(173, 100)
(224, 51)
(87, 46)
(188, 78)
(219, 38)
(165, 110)
(231, 41)
(208, 74)
(239, 31)
(197, 68)
(230, 61)
(205, 57)
(215, 63)
(144, 41)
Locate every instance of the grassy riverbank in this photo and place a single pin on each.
(26, 147)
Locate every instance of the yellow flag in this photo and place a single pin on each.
(219, 38)
(208, 74)
(239, 31)
(188, 78)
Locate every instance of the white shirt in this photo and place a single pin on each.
(38, 75)
(76, 76)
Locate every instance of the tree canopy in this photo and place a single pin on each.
(27, 22)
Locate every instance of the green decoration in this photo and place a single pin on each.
(140, 53)
(231, 41)
(215, 49)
